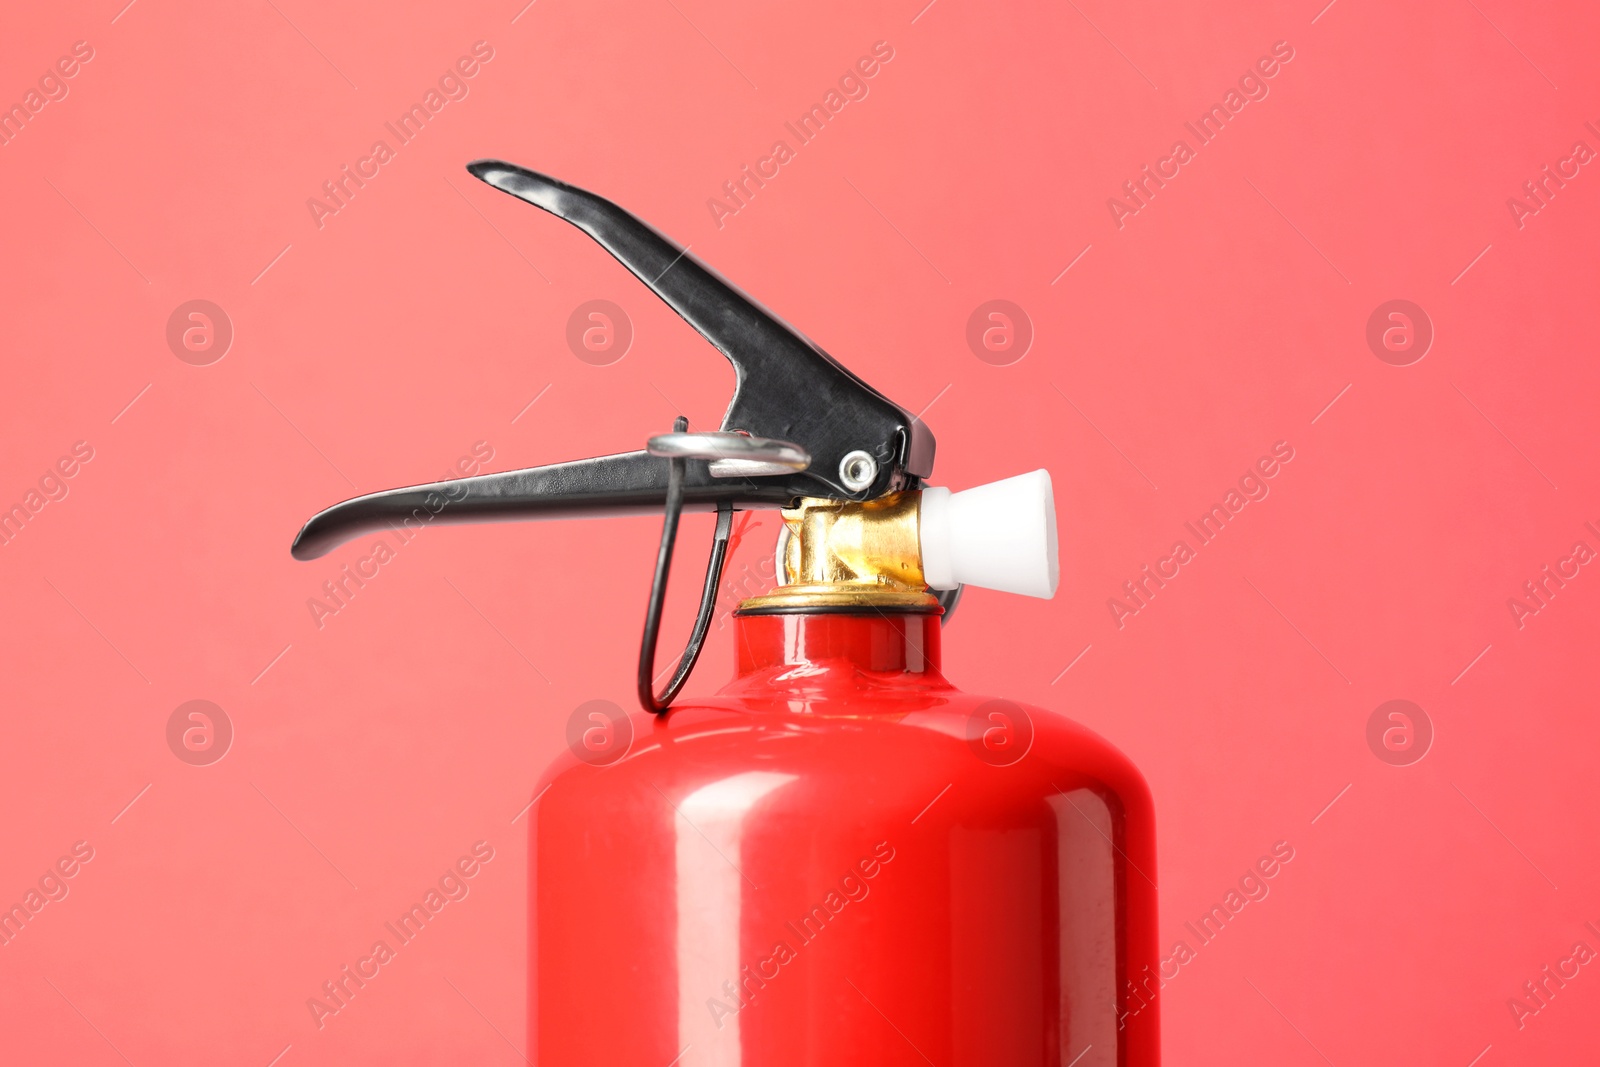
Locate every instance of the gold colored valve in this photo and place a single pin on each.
(844, 555)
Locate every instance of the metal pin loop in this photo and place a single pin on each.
(677, 459)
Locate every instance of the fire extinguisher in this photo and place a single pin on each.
(840, 858)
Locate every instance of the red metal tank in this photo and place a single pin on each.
(841, 859)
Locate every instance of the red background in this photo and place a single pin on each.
(376, 350)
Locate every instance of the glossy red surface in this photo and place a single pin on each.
(842, 859)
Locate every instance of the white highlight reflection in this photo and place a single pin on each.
(710, 888)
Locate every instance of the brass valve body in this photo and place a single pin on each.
(842, 555)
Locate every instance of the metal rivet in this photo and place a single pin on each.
(857, 470)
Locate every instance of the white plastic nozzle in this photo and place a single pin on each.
(996, 536)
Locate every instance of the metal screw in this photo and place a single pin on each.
(857, 470)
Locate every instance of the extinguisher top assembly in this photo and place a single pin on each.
(840, 858)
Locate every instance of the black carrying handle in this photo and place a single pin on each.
(630, 483)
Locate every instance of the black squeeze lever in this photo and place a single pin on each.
(787, 389)
(799, 425)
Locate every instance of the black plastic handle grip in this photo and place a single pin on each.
(631, 483)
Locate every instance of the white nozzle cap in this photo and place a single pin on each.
(996, 536)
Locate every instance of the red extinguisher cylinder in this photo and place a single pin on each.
(841, 859)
